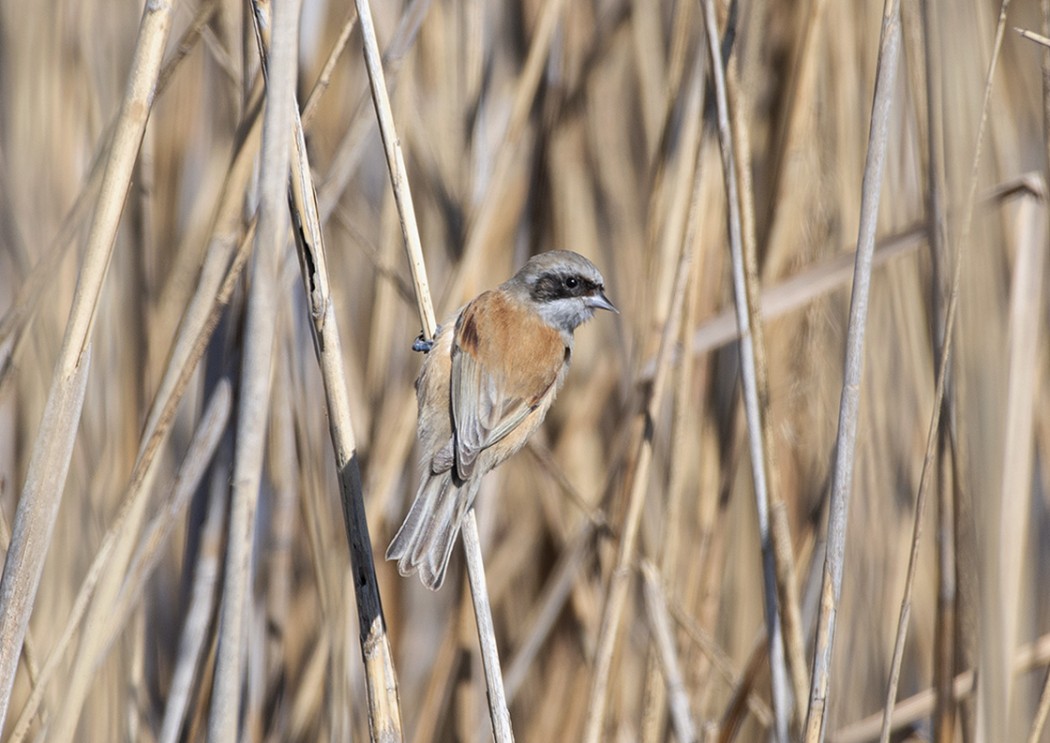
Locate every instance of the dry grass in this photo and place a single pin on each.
(626, 574)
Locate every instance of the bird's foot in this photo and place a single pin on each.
(422, 345)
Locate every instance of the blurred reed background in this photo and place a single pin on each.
(529, 126)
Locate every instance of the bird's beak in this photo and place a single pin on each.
(601, 302)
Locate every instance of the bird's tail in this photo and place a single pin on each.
(424, 542)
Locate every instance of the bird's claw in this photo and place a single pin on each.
(422, 345)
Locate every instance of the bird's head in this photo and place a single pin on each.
(564, 288)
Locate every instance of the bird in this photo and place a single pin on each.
(487, 381)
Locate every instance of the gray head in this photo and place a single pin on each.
(566, 288)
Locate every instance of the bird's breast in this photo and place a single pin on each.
(513, 344)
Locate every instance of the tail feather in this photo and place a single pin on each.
(434, 546)
(425, 540)
(401, 546)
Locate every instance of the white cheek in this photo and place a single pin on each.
(566, 314)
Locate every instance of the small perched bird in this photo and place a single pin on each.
(486, 384)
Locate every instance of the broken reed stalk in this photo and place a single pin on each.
(745, 296)
(253, 403)
(849, 406)
(497, 701)
(384, 709)
(49, 461)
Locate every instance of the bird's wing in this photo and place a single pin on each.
(504, 360)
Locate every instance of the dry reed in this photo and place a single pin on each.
(197, 581)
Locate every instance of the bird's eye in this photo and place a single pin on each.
(572, 282)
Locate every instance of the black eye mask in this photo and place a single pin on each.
(551, 286)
